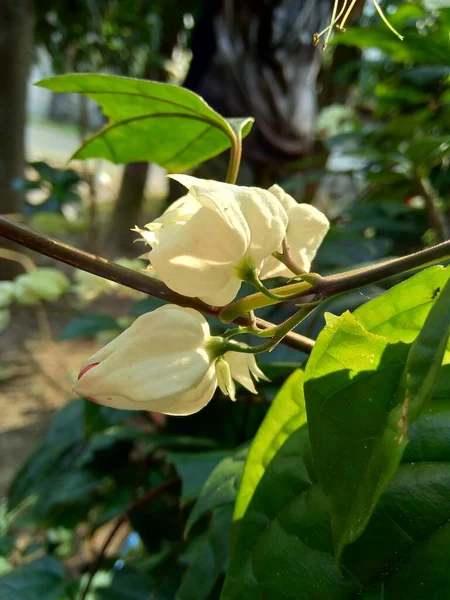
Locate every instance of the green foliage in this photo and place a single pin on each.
(58, 188)
(303, 500)
(192, 131)
(344, 492)
(42, 578)
(221, 487)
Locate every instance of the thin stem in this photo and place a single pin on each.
(253, 279)
(277, 333)
(151, 495)
(337, 284)
(385, 21)
(435, 217)
(287, 259)
(345, 282)
(18, 257)
(21, 234)
(235, 159)
(233, 311)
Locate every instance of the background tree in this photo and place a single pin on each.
(134, 39)
(16, 25)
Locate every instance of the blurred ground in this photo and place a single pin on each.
(36, 375)
(35, 380)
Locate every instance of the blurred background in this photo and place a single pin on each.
(361, 129)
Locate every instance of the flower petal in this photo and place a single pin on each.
(243, 367)
(160, 363)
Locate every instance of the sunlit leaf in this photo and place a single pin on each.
(150, 121)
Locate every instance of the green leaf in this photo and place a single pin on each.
(42, 578)
(283, 546)
(351, 386)
(210, 560)
(88, 325)
(414, 509)
(286, 414)
(426, 356)
(359, 392)
(150, 121)
(427, 153)
(220, 488)
(400, 313)
(55, 454)
(194, 469)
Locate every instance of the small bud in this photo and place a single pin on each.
(166, 362)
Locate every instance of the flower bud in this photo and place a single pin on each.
(204, 242)
(306, 228)
(167, 362)
(42, 284)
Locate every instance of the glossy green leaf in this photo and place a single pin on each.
(283, 543)
(400, 313)
(210, 559)
(286, 414)
(151, 121)
(351, 389)
(359, 392)
(42, 578)
(283, 546)
(426, 356)
(412, 512)
(220, 488)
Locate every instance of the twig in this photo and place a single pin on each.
(436, 219)
(345, 282)
(151, 495)
(18, 257)
(326, 287)
(62, 252)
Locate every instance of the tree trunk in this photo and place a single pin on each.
(16, 27)
(127, 210)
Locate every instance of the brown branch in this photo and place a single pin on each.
(62, 252)
(151, 495)
(345, 282)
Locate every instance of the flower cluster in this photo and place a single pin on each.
(204, 246)
(212, 239)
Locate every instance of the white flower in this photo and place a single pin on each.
(307, 227)
(202, 244)
(42, 284)
(241, 367)
(167, 362)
